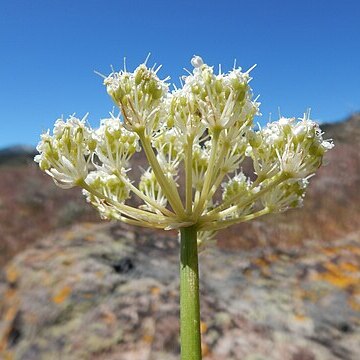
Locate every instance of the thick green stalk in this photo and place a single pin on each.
(190, 337)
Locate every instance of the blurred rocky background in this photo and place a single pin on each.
(281, 287)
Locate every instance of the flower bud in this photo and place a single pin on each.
(197, 61)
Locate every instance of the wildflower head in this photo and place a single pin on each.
(115, 145)
(293, 147)
(139, 95)
(64, 155)
(195, 139)
(221, 100)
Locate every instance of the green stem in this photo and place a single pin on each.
(190, 337)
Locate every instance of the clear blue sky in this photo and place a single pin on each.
(307, 52)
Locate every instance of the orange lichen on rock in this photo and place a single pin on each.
(350, 267)
(205, 350)
(69, 235)
(300, 317)
(9, 295)
(8, 318)
(340, 280)
(148, 338)
(261, 262)
(354, 304)
(62, 295)
(67, 261)
(203, 327)
(12, 274)
(155, 290)
(353, 249)
(338, 275)
(10, 313)
(109, 317)
(8, 356)
(263, 265)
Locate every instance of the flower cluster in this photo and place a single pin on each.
(195, 137)
(66, 154)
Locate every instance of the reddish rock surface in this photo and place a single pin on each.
(106, 292)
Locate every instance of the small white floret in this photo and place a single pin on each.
(197, 61)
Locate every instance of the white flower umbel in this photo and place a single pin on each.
(66, 154)
(139, 95)
(205, 128)
(195, 137)
(114, 145)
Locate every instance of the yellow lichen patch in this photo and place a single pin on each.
(67, 261)
(205, 350)
(12, 274)
(260, 262)
(9, 294)
(354, 304)
(89, 237)
(349, 267)
(3, 344)
(8, 356)
(356, 291)
(263, 266)
(69, 235)
(300, 317)
(9, 317)
(10, 313)
(353, 249)
(155, 290)
(203, 327)
(329, 251)
(148, 338)
(338, 279)
(338, 274)
(331, 266)
(62, 295)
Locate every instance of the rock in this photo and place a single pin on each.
(109, 292)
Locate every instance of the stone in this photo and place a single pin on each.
(109, 291)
